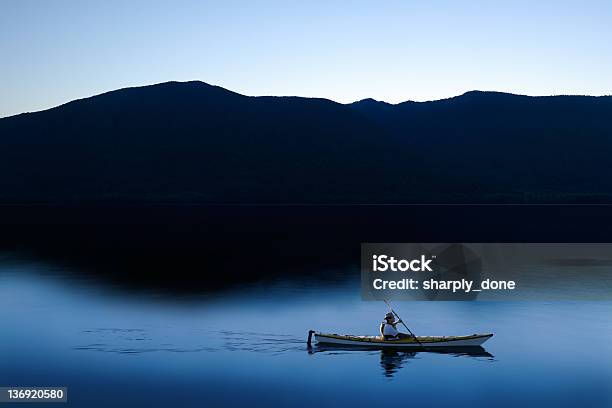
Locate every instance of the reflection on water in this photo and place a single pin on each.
(393, 360)
(148, 348)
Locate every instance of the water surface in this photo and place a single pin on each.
(246, 346)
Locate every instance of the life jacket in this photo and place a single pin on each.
(394, 333)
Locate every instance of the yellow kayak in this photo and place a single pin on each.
(472, 340)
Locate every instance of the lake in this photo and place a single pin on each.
(246, 345)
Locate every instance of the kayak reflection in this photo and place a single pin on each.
(393, 360)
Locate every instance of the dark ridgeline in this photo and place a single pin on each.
(196, 143)
(106, 161)
(190, 142)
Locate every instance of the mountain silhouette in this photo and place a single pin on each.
(190, 142)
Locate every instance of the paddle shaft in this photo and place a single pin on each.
(409, 331)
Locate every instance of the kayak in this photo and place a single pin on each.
(473, 340)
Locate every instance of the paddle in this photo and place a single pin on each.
(409, 331)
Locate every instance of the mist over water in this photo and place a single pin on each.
(231, 347)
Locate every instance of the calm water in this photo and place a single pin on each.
(247, 347)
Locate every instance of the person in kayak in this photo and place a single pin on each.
(388, 331)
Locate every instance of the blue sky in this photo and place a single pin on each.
(56, 51)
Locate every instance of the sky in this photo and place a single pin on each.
(52, 52)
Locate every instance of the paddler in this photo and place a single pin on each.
(388, 331)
